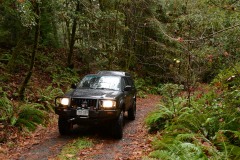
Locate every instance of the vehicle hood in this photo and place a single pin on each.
(93, 93)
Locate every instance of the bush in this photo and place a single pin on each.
(209, 128)
(228, 78)
(63, 76)
(159, 119)
(145, 86)
(29, 117)
(46, 97)
(6, 109)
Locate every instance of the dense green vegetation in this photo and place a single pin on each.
(208, 128)
(171, 47)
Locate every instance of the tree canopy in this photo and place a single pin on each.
(46, 45)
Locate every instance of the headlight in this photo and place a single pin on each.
(108, 104)
(65, 101)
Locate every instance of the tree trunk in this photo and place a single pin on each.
(72, 41)
(34, 51)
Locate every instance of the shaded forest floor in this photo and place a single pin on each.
(46, 143)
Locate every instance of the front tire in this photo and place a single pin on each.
(132, 112)
(118, 127)
(64, 126)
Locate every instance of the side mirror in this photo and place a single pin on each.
(128, 88)
(73, 86)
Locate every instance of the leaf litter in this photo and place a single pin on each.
(46, 143)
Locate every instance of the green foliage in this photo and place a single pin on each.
(29, 117)
(232, 98)
(48, 22)
(180, 150)
(6, 109)
(63, 76)
(4, 77)
(70, 150)
(4, 58)
(209, 127)
(25, 116)
(26, 13)
(159, 119)
(228, 78)
(170, 90)
(146, 86)
(46, 97)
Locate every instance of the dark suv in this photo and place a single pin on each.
(100, 98)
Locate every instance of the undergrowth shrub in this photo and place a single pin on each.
(6, 109)
(63, 76)
(208, 128)
(46, 97)
(4, 77)
(25, 116)
(228, 78)
(145, 86)
(166, 112)
(29, 117)
(169, 91)
(179, 150)
(159, 119)
(232, 98)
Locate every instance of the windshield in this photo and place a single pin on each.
(100, 82)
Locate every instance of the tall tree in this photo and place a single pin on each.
(36, 5)
(72, 36)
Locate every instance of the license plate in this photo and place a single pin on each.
(83, 112)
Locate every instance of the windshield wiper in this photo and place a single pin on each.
(101, 88)
(106, 89)
(86, 88)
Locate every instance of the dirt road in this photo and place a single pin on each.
(134, 145)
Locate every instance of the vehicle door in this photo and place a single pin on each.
(133, 90)
(127, 93)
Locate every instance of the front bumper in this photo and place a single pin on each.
(94, 117)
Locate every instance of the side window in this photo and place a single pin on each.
(126, 81)
(130, 81)
(123, 81)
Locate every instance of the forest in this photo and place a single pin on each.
(187, 51)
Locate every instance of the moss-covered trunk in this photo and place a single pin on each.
(34, 51)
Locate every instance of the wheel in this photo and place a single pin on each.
(118, 127)
(64, 126)
(132, 112)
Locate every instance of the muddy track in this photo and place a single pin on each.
(134, 145)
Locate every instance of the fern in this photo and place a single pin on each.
(191, 121)
(229, 143)
(179, 150)
(49, 93)
(64, 76)
(23, 123)
(228, 78)
(46, 96)
(186, 137)
(6, 109)
(158, 119)
(29, 117)
(162, 154)
(234, 151)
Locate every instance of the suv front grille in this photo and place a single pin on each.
(84, 103)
